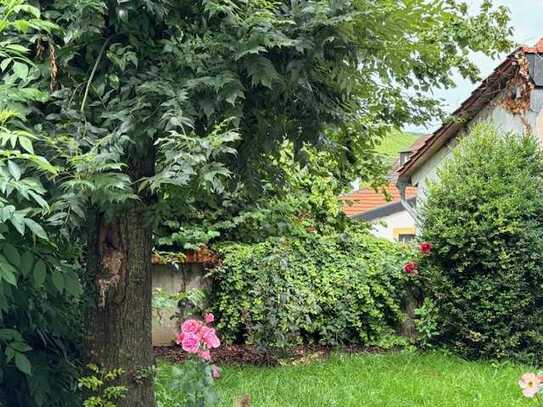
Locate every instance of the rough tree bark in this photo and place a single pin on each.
(119, 316)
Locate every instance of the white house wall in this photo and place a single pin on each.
(428, 172)
(385, 226)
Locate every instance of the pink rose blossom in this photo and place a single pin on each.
(209, 318)
(530, 384)
(209, 337)
(191, 326)
(190, 343)
(215, 372)
(204, 355)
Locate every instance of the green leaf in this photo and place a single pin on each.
(36, 228)
(58, 280)
(72, 285)
(20, 346)
(40, 272)
(38, 199)
(7, 272)
(27, 261)
(28, 9)
(20, 70)
(262, 71)
(18, 222)
(23, 364)
(4, 64)
(12, 254)
(26, 144)
(10, 335)
(14, 170)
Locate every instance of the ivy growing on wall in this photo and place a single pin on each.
(337, 288)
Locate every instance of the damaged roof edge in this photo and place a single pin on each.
(478, 99)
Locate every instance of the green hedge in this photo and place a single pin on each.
(336, 289)
(484, 280)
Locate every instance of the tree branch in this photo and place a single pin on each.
(93, 72)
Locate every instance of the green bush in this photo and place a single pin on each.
(484, 279)
(344, 288)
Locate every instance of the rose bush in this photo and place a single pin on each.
(194, 378)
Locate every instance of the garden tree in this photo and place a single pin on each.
(154, 101)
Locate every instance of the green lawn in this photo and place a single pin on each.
(380, 380)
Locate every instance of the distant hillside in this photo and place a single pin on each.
(395, 142)
(392, 145)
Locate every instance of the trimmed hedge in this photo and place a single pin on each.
(343, 288)
(484, 279)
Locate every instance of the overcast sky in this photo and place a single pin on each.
(527, 20)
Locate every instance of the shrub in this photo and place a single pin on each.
(484, 278)
(343, 288)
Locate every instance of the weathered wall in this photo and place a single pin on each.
(172, 280)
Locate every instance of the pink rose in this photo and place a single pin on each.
(209, 318)
(191, 326)
(190, 343)
(209, 337)
(215, 372)
(425, 248)
(204, 354)
(410, 268)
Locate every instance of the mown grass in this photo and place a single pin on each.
(377, 380)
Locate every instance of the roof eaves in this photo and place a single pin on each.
(488, 89)
(382, 211)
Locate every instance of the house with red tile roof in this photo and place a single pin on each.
(382, 207)
(511, 98)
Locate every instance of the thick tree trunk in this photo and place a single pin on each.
(119, 318)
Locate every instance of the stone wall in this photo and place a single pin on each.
(171, 280)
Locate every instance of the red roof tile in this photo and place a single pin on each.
(536, 49)
(362, 201)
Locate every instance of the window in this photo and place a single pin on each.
(405, 238)
(404, 156)
(405, 234)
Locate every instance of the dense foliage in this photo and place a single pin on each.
(294, 47)
(483, 278)
(338, 288)
(304, 197)
(39, 286)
